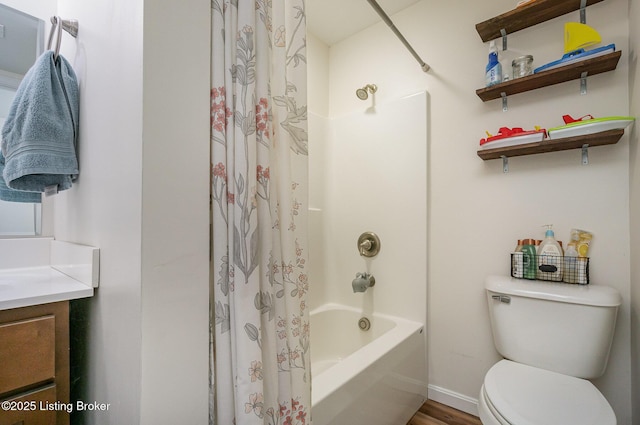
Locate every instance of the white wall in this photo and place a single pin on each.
(476, 212)
(144, 85)
(103, 208)
(175, 212)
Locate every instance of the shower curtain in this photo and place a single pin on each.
(260, 369)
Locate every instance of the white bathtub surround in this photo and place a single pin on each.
(259, 201)
(369, 173)
(42, 270)
(374, 377)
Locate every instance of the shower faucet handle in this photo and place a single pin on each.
(368, 244)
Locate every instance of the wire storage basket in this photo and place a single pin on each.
(550, 267)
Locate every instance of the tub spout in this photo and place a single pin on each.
(362, 282)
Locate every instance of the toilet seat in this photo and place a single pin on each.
(488, 414)
(525, 395)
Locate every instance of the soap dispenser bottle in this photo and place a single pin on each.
(493, 72)
(550, 258)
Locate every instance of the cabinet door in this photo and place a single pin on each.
(27, 353)
(34, 408)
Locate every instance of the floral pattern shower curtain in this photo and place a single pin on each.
(260, 323)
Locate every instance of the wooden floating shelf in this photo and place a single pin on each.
(524, 17)
(609, 137)
(527, 16)
(573, 71)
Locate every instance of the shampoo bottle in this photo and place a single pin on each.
(493, 73)
(517, 261)
(550, 261)
(530, 263)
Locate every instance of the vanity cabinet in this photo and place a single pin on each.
(34, 365)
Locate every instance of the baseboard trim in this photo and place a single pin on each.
(453, 399)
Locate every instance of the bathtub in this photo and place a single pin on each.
(373, 377)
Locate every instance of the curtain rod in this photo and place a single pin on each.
(388, 21)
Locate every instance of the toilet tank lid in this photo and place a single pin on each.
(594, 295)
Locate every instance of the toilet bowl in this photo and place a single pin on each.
(553, 338)
(517, 394)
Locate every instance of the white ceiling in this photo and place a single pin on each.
(335, 20)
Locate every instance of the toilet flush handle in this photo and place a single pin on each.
(502, 298)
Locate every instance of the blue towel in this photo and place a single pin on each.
(39, 135)
(11, 195)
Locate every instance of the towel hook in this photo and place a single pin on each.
(70, 26)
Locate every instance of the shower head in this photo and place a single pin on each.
(363, 93)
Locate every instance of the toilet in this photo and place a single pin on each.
(553, 337)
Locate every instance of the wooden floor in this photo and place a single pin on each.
(433, 413)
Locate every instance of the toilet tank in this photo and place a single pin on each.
(562, 327)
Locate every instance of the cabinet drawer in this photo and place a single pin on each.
(27, 353)
(33, 408)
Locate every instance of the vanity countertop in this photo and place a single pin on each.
(43, 270)
(22, 287)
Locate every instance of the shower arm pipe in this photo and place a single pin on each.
(395, 30)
